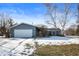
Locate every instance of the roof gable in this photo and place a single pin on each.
(23, 25)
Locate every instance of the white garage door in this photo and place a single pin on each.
(23, 33)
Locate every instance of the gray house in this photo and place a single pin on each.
(26, 31)
(23, 31)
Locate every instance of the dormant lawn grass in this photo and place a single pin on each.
(56, 50)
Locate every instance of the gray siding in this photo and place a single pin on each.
(54, 31)
(23, 26)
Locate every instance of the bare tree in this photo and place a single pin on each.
(62, 20)
(77, 13)
(51, 12)
(77, 27)
(5, 23)
(70, 31)
(2, 23)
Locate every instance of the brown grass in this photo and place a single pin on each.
(54, 50)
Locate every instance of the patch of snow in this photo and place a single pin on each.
(74, 41)
(4, 51)
(3, 41)
(53, 38)
(12, 46)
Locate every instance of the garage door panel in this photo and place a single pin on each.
(23, 33)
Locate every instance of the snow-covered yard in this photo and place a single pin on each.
(16, 46)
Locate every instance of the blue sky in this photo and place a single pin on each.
(30, 12)
(24, 12)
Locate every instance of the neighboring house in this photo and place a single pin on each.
(54, 31)
(25, 30)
